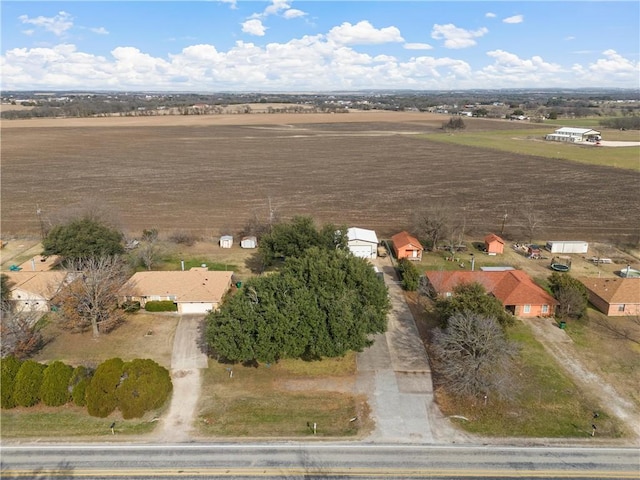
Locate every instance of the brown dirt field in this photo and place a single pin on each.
(210, 173)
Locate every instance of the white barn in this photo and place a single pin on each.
(574, 135)
(362, 243)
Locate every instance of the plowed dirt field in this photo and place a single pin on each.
(210, 174)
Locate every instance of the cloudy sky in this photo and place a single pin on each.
(315, 45)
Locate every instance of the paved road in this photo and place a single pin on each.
(395, 374)
(314, 461)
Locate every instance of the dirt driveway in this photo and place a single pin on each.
(186, 362)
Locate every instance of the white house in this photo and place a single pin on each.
(573, 135)
(362, 243)
(226, 241)
(196, 291)
(33, 291)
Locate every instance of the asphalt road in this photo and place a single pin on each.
(315, 461)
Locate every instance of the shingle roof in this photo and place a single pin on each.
(511, 287)
(185, 286)
(43, 284)
(355, 233)
(492, 237)
(614, 290)
(405, 238)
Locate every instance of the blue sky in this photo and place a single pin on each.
(285, 46)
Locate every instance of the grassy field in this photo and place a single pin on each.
(283, 400)
(207, 176)
(531, 142)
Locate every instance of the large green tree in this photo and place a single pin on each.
(472, 298)
(83, 238)
(321, 304)
(572, 295)
(293, 238)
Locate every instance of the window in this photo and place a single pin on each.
(545, 308)
(621, 308)
(526, 309)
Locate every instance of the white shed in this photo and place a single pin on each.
(572, 246)
(226, 241)
(362, 243)
(249, 242)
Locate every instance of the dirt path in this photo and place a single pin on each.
(186, 362)
(560, 346)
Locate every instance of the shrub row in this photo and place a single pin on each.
(133, 387)
(409, 274)
(161, 306)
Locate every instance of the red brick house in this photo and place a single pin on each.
(514, 288)
(615, 297)
(493, 244)
(406, 245)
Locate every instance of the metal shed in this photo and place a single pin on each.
(226, 241)
(249, 242)
(572, 246)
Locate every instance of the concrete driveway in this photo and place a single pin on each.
(395, 374)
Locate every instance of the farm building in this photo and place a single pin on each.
(514, 288)
(556, 246)
(493, 244)
(226, 241)
(574, 135)
(615, 297)
(362, 243)
(249, 242)
(196, 291)
(406, 245)
(34, 291)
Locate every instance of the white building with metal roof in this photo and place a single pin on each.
(573, 135)
(363, 243)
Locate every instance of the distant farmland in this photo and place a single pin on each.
(210, 174)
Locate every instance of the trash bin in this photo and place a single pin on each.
(238, 284)
(563, 325)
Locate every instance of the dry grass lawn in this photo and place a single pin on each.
(143, 335)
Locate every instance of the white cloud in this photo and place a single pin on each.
(232, 3)
(100, 30)
(569, 38)
(490, 15)
(615, 64)
(417, 46)
(57, 24)
(455, 37)
(254, 27)
(293, 13)
(363, 33)
(514, 19)
(29, 32)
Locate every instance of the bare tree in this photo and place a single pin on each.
(531, 221)
(474, 356)
(432, 224)
(623, 328)
(20, 335)
(91, 300)
(91, 208)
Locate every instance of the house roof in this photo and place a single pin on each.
(185, 286)
(42, 284)
(511, 287)
(614, 290)
(404, 239)
(492, 237)
(581, 131)
(355, 233)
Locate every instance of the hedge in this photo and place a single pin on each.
(161, 306)
(410, 275)
(101, 392)
(54, 390)
(145, 386)
(26, 391)
(79, 382)
(9, 367)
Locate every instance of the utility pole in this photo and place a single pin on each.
(504, 219)
(39, 214)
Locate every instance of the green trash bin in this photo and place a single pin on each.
(563, 325)
(238, 284)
